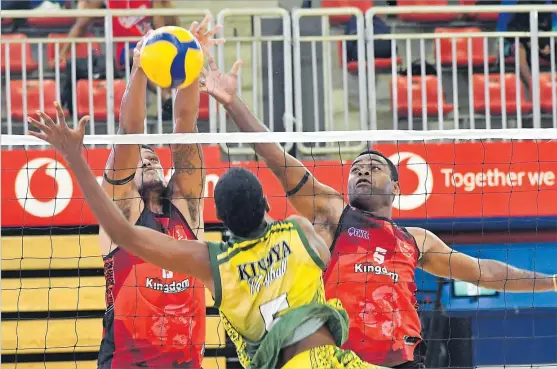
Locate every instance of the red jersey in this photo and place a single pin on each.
(372, 272)
(155, 318)
(130, 26)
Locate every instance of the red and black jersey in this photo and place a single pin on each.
(155, 318)
(372, 268)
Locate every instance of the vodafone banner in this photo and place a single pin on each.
(439, 181)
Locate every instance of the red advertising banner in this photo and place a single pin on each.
(438, 181)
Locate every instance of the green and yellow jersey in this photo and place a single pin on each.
(270, 292)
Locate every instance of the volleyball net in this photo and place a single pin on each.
(489, 193)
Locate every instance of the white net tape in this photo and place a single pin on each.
(298, 137)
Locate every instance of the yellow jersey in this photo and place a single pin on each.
(261, 280)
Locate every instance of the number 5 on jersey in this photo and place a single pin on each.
(270, 309)
(379, 255)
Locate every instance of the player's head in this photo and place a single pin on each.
(373, 181)
(149, 174)
(240, 202)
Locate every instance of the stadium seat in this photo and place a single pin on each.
(426, 17)
(546, 92)
(81, 49)
(99, 98)
(50, 22)
(461, 48)
(495, 100)
(483, 17)
(16, 61)
(352, 67)
(33, 93)
(430, 92)
(363, 5)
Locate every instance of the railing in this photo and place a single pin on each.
(297, 77)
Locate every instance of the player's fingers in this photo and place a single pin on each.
(60, 115)
(218, 41)
(193, 27)
(82, 124)
(204, 24)
(210, 33)
(203, 74)
(39, 125)
(236, 67)
(47, 120)
(203, 88)
(210, 60)
(39, 135)
(144, 39)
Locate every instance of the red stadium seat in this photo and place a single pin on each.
(99, 98)
(380, 63)
(426, 17)
(16, 61)
(33, 93)
(50, 22)
(81, 49)
(431, 96)
(484, 17)
(363, 5)
(461, 48)
(495, 101)
(546, 92)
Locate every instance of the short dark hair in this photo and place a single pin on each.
(240, 202)
(147, 147)
(392, 166)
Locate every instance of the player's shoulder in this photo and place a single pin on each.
(424, 238)
(303, 222)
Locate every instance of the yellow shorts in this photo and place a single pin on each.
(327, 357)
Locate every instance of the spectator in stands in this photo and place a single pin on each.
(126, 27)
(382, 48)
(39, 5)
(520, 22)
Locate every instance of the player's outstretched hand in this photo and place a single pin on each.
(221, 86)
(68, 142)
(204, 35)
(137, 50)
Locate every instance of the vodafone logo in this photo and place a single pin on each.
(24, 194)
(418, 165)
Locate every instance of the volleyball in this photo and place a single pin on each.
(171, 57)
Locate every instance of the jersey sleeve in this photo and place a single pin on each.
(311, 252)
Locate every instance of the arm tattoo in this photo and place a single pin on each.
(182, 155)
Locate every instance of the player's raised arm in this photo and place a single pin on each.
(188, 180)
(182, 256)
(123, 160)
(321, 204)
(442, 261)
